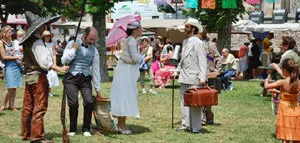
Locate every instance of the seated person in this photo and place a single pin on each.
(163, 75)
(228, 69)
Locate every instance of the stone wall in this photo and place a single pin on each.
(237, 40)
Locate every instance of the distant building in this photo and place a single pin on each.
(146, 8)
(290, 5)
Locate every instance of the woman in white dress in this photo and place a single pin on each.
(52, 75)
(124, 94)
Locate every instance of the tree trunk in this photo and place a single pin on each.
(99, 24)
(224, 35)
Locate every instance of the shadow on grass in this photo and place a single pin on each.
(136, 129)
(203, 131)
(274, 135)
(1, 113)
(170, 87)
(51, 136)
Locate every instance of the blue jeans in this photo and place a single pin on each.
(225, 76)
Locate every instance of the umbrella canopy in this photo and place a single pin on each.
(35, 22)
(118, 32)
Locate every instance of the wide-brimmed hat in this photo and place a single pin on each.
(46, 33)
(194, 22)
(35, 22)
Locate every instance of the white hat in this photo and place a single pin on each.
(134, 25)
(46, 33)
(194, 22)
(144, 37)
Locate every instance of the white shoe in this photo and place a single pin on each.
(124, 131)
(87, 134)
(71, 134)
(152, 91)
(50, 94)
(144, 91)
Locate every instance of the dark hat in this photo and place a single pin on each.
(35, 22)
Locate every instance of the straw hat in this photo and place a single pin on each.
(194, 22)
(46, 33)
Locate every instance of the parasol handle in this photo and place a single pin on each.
(82, 12)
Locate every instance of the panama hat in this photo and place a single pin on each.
(46, 33)
(35, 22)
(194, 22)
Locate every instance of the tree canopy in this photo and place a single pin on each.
(215, 19)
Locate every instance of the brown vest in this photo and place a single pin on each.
(29, 59)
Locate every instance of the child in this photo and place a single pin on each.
(288, 123)
(243, 62)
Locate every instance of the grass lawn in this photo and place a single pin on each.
(242, 116)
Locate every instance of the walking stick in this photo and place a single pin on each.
(172, 103)
(63, 104)
(63, 117)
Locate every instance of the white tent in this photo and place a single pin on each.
(165, 28)
(250, 26)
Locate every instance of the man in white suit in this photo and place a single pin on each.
(192, 68)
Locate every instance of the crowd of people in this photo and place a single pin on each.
(34, 54)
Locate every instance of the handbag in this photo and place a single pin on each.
(204, 96)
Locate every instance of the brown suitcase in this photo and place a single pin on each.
(205, 96)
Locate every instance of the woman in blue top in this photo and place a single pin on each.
(13, 71)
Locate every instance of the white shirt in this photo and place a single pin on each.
(41, 53)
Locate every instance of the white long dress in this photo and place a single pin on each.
(124, 94)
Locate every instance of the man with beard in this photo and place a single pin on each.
(192, 68)
(83, 59)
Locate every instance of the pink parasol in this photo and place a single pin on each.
(118, 32)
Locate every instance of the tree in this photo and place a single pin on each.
(219, 20)
(98, 9)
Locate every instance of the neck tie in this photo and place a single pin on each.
(86, 46)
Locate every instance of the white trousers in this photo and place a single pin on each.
(191, 116)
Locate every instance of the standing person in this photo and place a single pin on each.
(124, 95)
(213, 66)
(254, 58)
(146, 66)
(37, 64)
(228, 69)
(83, 59)
(13, 71)
(288, 123)
(267, 43)
(192, 68)
(243, 61)
(52, 75)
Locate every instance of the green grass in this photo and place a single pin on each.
(242, 116)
